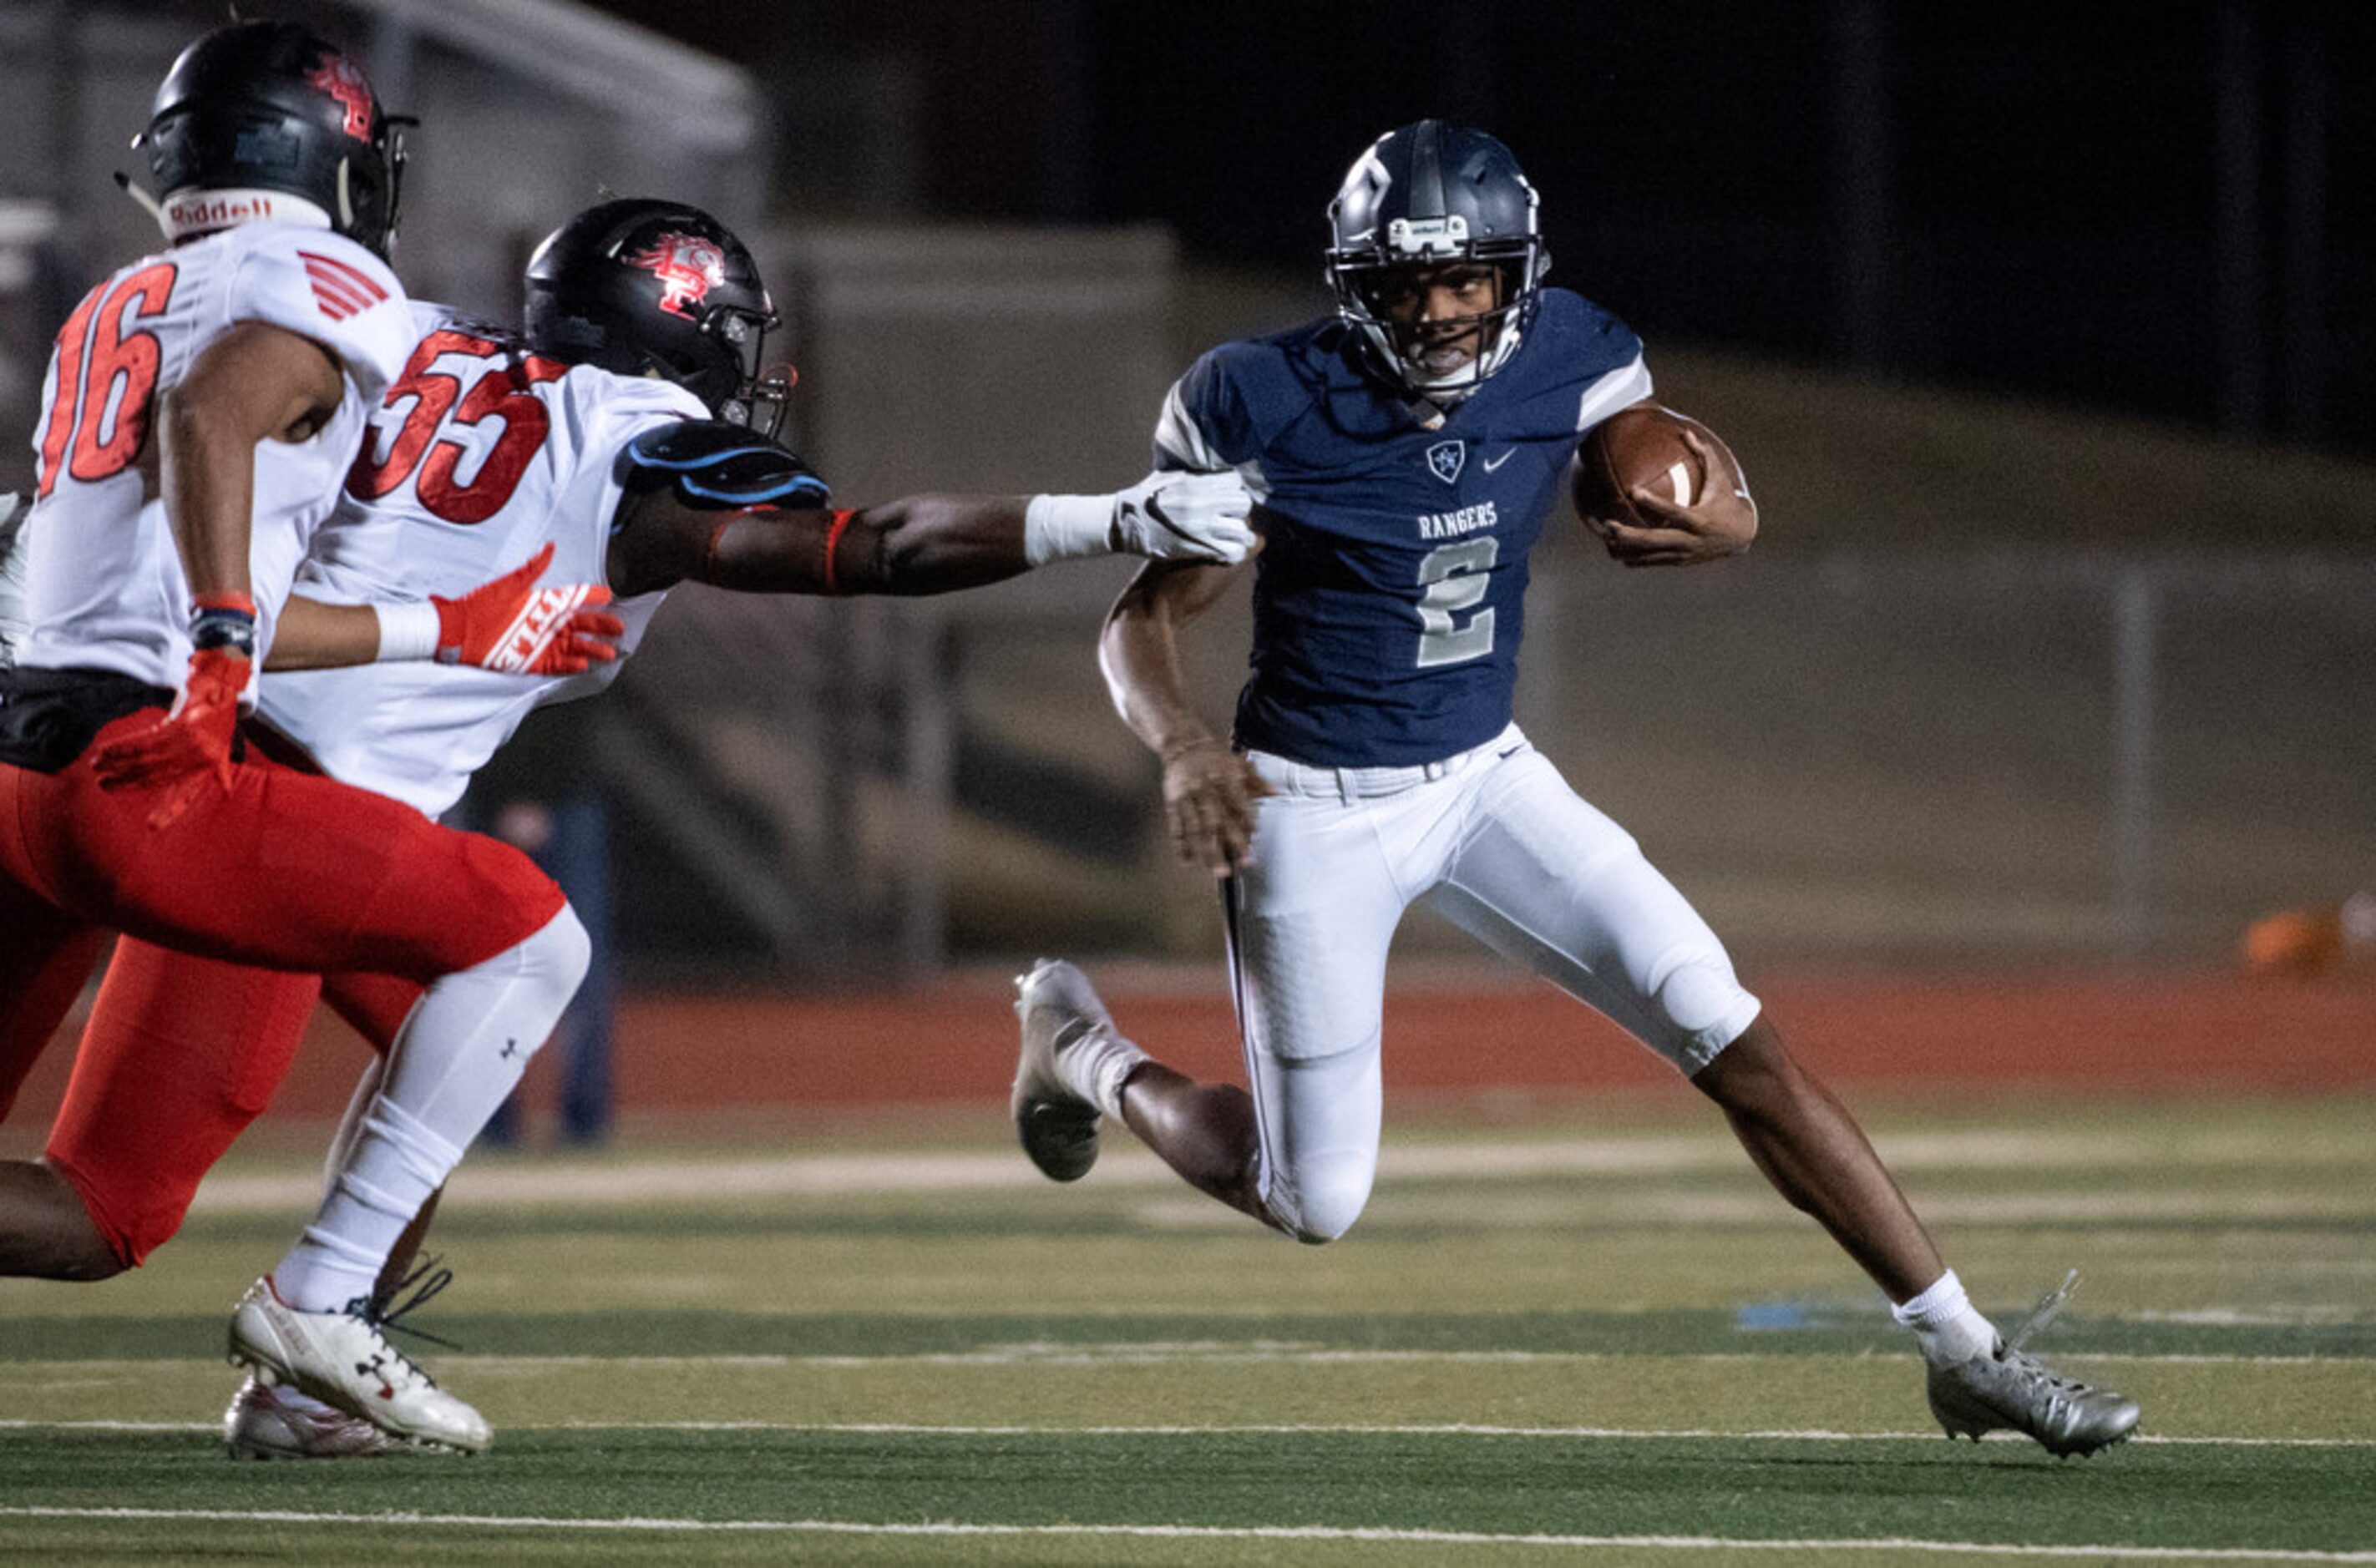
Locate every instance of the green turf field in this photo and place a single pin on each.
(1588, 1335)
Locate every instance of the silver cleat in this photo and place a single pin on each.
(2011, 1390)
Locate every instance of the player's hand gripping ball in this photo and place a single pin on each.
(1661, 489)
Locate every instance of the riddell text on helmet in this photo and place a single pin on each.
(221, 209)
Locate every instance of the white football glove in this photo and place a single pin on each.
(1173, 515)
(1166, 515)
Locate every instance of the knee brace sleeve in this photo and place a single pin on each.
(1706, 1005)
(1322, 1199)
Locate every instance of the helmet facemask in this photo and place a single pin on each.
(1375, 297)
(761, 393)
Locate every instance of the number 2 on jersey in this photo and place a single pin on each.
(106, 379)
(1454, 576)
(504, 392)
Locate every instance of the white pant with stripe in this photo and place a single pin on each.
(1492, 840)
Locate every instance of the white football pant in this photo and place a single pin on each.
(1495, 841)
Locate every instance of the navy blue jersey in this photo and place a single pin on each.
(1389, 596)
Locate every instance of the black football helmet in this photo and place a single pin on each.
(1430, 194)
(256, 111)
(638, 286)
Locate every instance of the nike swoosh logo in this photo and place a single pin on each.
(1504, 457)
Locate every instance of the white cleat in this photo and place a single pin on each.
(1058, 1128)
(343, 1359)
(265, 1422)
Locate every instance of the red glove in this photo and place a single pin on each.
(515, 626)
(189, 745)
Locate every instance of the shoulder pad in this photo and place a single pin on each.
(715, 466)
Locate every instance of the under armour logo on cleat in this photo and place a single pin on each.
(510, 1050)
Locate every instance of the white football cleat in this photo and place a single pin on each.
(265, 1422)
(343, 1358)
(1057, 1127)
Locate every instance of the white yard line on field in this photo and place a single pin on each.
(1445, 1428)
(955, 1529)
(632, 1181)
(1056, 1355)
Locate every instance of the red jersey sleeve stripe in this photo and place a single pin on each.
(336, 306)
(336, 300)
(363, 281)
(325, 279)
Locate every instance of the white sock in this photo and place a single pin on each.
(1945, 1323)
(1095, 1066)
(460, 1054)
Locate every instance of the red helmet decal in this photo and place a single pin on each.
(337, 76)
(688, 266)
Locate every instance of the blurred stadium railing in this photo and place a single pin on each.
(1943, 755)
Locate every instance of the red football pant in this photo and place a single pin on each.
(179, 1055)
(286, 871)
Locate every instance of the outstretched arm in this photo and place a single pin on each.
(918, 545)
(704, 502)
(1208, 789)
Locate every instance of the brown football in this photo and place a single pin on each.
(1641, 446)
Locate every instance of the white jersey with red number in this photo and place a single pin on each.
(104, 588)
(482, 453)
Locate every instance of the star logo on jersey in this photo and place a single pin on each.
(688, 268)
(337, 76)
(1446, 458)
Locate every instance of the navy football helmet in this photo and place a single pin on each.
(259, 111)
(655, 286)
(1432, 193)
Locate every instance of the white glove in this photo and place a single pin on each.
(1166, 515)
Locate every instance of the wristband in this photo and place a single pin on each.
(1058, 527)
(222, 621)
(407, 630)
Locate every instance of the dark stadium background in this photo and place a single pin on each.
(2160, 208)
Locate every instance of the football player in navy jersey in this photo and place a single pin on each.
(1403, 454)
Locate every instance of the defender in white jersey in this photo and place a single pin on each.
(417, 731)
(604, 474)
(201, 408)
(1407, 452)
(105, 587)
